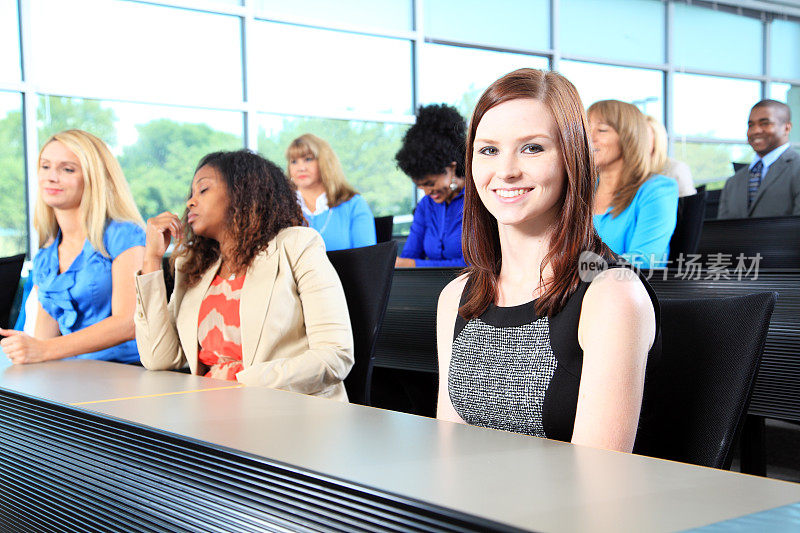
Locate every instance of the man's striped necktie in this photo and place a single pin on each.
(754, 182)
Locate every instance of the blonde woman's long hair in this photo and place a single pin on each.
(336, 187)
(658, 157)
(106, 195)
(631, 126)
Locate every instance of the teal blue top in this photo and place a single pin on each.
(81, 295)
(641, 233)
(348, 225)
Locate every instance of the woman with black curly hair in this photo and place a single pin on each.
(256, 299)
(433, 156)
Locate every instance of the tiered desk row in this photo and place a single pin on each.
(88, 445)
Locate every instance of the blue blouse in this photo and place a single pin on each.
(81, 295)
(641, 233)
(435, 236)
(348, 225)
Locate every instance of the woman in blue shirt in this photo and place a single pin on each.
(92, 244)
(433, 156)
(635, 210)
(330, 205)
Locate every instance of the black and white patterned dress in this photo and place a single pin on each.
(511, 369)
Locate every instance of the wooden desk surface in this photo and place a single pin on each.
(525, 482)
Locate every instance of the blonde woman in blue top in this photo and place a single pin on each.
(92, 243)
(330, 204)
(635, 210)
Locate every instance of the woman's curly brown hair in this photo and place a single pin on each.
(262, 202)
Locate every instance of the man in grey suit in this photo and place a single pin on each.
(770, 186)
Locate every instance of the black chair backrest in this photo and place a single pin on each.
(686, 236)
(366, 276)
(712, 204)
(777, 239)
(383, 228)
(10, 268)
(697, 393)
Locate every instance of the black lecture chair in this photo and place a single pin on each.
(383, 228)
(10, 268)
(686, 237)
(366, 276)
(697, 393)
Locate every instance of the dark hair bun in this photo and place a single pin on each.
(436, 140)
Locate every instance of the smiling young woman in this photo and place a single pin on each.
(91, 240)
(525, 343)
(256, 299)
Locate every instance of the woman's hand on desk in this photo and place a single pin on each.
(159, 233)
(405, 262)
(21, 348)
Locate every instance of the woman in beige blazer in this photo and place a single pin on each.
(242, 219)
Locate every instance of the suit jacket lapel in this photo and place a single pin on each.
(774, 172)
(188, 318)
(740, 196)
(256, 293)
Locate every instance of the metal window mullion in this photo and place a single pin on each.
(766, 55)
(30, 132)
(204, 6)
(322, 24)
(613, 62)
(248, 65)
(555, 35)
(54, 90)
(760, 5)
(710, 140)
(491, 47)
(669, 75)
(418, 55)
(417, 61)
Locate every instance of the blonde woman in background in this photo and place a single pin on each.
(665, 165)
(635, 211)
(91, 240)
(330, 204)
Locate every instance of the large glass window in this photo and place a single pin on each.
(712, 164)
(366, 150)
(630, 30)
(790, 94)
(714, 40)
(157, 146)
(13, 213)
(785, 49)
(386, 14)
(458, 76)
(10, 66)
(706, 106)
(510, 23)
(322, 71)
(138, 51)
(643, 88)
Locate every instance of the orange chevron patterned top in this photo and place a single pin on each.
(218, 330)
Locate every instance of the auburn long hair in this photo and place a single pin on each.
(574, 231)
(262, 202)
(337, 189)
(631, 126)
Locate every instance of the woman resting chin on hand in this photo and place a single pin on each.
(256, 299)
